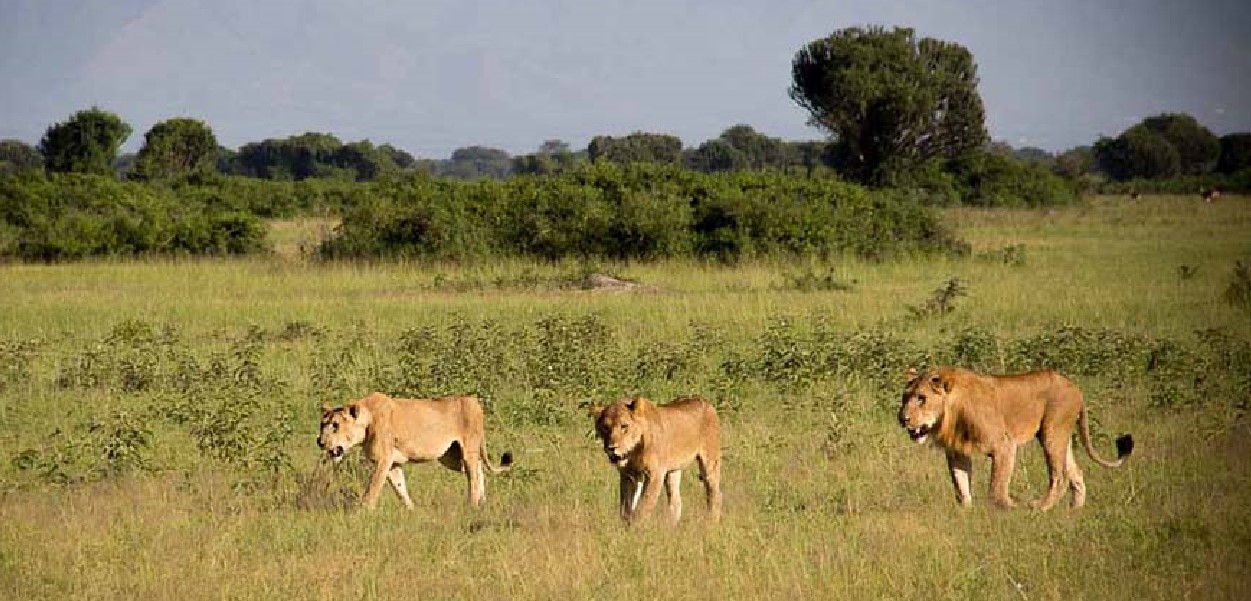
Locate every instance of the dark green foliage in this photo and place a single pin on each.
(72, 216)
(552, 158)
(1235, 153)
(741, 147)
(991, 180)
(85, 143)
(176, 148)
(892, 102)
(1075, 350)
(476, 162)
(91, 450)
(638, 211)
(1074, 163)
(1189, 185)
(638, 147)
(18, 157)
(314, 155)
(1162, 146)
(1197, 148)
(976, 349)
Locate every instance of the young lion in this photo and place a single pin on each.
(970, 414)
(649, 443)
(396, 431)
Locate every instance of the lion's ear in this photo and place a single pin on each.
(637, 404)
(913, 374)
(940, 383)
(354, 410)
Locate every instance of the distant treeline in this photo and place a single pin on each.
(638, 211)
(639, 196)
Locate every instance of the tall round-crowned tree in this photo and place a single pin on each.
(85, 143)
(176, 148)
(891, 102)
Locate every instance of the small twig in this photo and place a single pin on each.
(1020, 588)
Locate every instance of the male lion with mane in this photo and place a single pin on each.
(396, 431)
(971, 414)
(651, 443)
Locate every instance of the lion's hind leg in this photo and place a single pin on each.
(1077, 482)
(1056, 450)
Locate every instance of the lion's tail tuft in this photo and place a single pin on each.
(1124, 446)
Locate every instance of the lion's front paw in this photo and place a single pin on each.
(1006, 503)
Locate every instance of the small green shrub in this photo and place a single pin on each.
(941, 301)
(93, 450)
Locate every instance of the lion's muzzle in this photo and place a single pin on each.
(919, 433)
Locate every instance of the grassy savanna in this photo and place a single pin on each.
(119, 480)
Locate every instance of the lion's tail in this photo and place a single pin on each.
(1124, 444)
(506, 461)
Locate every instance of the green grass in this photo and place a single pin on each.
(825, 497)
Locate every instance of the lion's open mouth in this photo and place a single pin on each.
(920, 432)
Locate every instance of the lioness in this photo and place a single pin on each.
(972, 414)
(395, 431)
(649, 443)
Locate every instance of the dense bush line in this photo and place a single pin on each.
(1236, 183)
(638, 211)
(73, 216)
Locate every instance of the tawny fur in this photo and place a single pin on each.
(970, 415)
(396, 431)
(650, 445)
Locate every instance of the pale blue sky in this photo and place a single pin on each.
(430, 76)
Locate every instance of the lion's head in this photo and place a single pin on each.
(620, 427)
(341, 429)
(924, 403)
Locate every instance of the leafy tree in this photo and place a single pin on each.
(638, 147)
(176, 148)
(85, 143)
(1197, 148)
(1137, 153)
(554, 147)
(474, 162)
(758, 150)
(17, 156)
(715, 155)
(890, 101)
(364, 160)
(552, 157)
(1033, 154)
(401, 158)
(809, 154)
(1074, 162)
(1235, 153)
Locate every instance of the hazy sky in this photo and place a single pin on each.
(430, 76)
